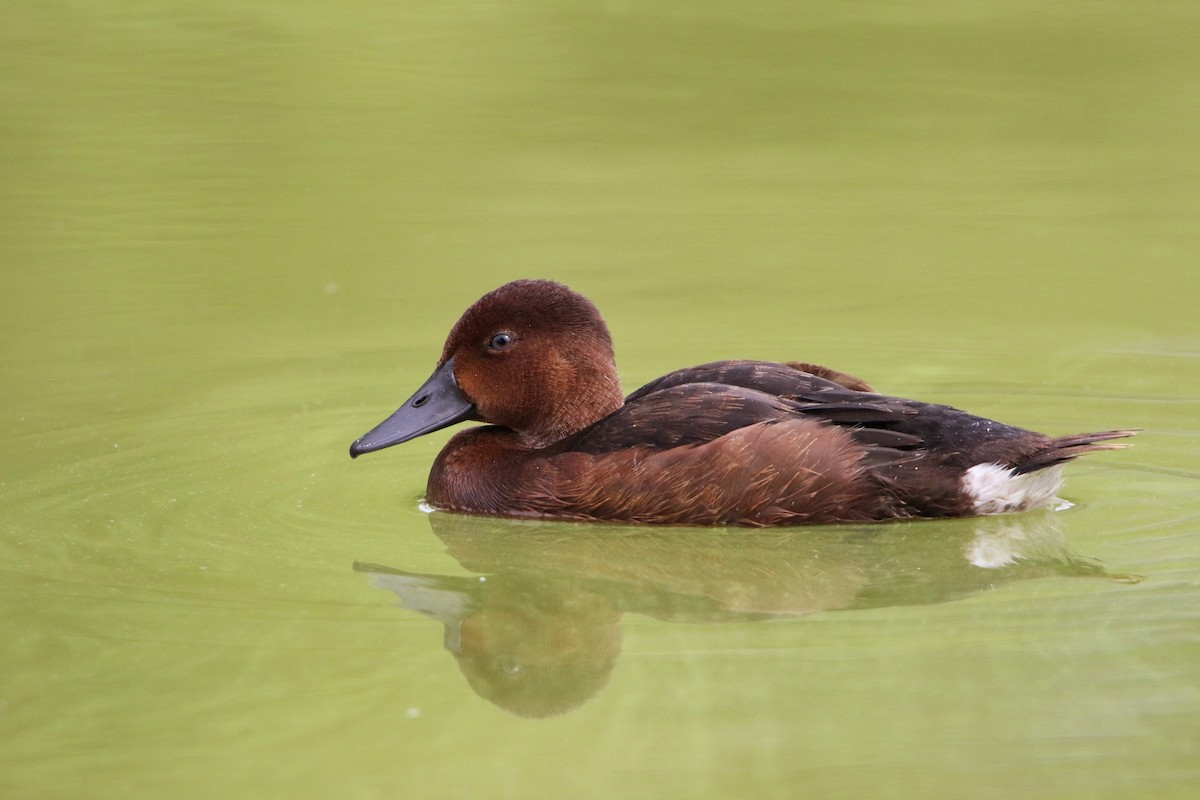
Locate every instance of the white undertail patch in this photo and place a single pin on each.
(998, 490)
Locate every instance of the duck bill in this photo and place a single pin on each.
(436, 405)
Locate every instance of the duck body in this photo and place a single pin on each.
(727, 443)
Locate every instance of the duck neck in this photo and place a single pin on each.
(590, 396)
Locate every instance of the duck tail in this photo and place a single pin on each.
(1065, 448)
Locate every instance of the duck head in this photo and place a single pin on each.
(532, 356)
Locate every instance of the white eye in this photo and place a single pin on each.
(501, 341)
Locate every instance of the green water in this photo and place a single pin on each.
(233, 238)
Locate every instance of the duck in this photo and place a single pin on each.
(728, 443)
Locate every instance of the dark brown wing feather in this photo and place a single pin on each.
(841, 378)
(678, 416)
(789, 381)
(875, 420)
(699, 404)
(690, 414)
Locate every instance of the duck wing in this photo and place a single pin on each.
(687, 414)
(681, 415)
(958, 438)
(791, 380)
(699, 404)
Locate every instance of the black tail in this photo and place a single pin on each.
(1065, 448)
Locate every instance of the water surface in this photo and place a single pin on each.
(234, 237)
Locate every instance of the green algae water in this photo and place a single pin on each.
(235, 235)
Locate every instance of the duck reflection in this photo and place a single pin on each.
(537, 629)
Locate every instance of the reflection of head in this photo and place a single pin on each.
(535, 646)
(539, 658)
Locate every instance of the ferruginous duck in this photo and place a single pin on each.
(727, 443)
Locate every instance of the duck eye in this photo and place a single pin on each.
(501, 341)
